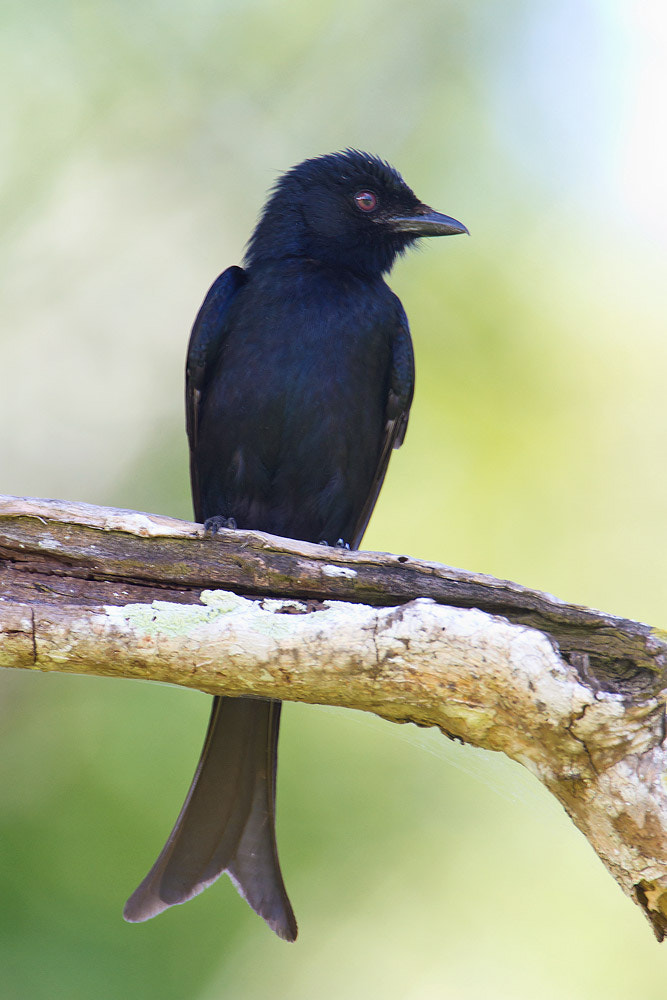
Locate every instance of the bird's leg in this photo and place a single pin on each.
(340, 544)
(213, 524)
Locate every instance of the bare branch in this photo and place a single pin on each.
(575, 695)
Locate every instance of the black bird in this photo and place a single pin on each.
(299, 380)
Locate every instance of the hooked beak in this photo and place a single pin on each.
(426, 222)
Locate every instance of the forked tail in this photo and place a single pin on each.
(227, 822)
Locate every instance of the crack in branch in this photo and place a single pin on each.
(34, 636)
(579, 717)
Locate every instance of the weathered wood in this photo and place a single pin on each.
(110, 555)
(575, 695)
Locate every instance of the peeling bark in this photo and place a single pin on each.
(574, 695)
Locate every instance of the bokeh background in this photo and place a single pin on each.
(137, 143)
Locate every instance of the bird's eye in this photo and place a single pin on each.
(365, 200)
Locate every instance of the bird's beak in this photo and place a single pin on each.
(426, 222)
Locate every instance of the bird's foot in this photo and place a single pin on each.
(340, 544)
(212, 525)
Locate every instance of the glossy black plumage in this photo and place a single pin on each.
(299, 381)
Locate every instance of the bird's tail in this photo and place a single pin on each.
(227, 822)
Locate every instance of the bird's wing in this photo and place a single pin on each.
(206, 341)
(399, 400)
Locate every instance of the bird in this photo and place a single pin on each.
(299, 382)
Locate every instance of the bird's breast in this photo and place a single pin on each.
(295, 411)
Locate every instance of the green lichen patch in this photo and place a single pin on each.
(163, 617)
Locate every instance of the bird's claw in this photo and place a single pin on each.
(212, 525)
(340, 544)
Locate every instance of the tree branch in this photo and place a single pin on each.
(575, 695)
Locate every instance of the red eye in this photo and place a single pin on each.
(365, 200)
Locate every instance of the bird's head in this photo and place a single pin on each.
(346, 210)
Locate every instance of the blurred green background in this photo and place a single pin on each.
(137, 143)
